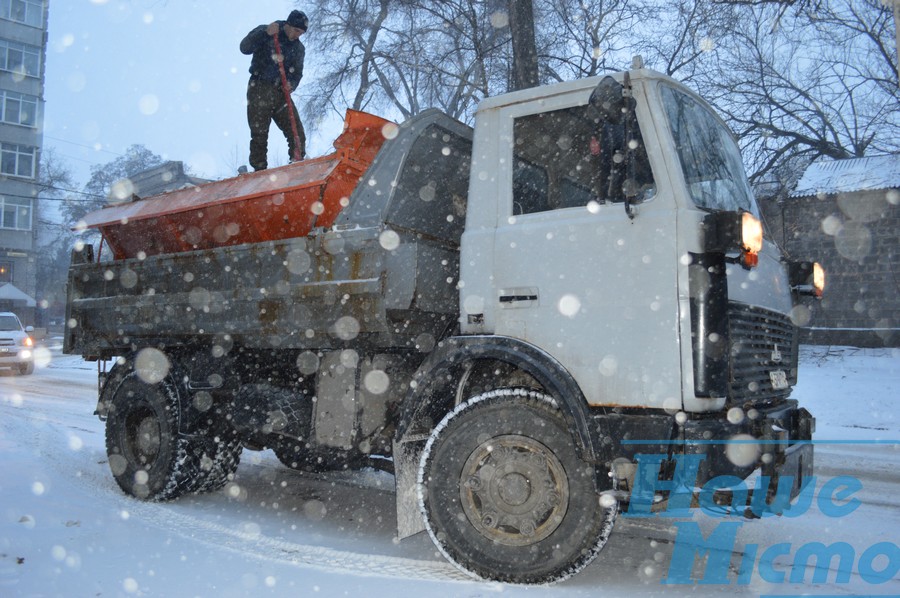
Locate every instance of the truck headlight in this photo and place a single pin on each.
(751, 233)
(818, 279)
(730, 232)
(27, 342)
(807, 278)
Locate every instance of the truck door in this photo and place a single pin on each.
(573, 273)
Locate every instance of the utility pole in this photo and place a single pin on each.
(521, 26)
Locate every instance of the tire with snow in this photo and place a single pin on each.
(26, 369)
(504, 494)
(148, 457)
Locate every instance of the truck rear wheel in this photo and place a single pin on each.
(504, 494)
(148, 457)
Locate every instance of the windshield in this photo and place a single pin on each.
(710, 159)
(8, 323)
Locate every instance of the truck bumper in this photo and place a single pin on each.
(776, 440)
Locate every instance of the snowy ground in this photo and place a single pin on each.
(67, 530)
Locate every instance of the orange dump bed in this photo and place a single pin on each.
(278, 203)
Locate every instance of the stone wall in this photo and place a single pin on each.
(856, 237)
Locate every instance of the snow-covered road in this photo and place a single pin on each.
(66, 528)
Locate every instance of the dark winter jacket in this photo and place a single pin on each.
(263, 66)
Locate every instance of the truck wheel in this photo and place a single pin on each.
(26, 369)
(147, 456)
(504, 494)
(219, 450)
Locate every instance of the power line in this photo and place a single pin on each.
(76, 158)
(90, 196)
(90, 147)
(74, 191)
(49, 187)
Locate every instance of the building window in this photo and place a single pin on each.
(20, 58)
(30, 12)
(6, 271)
(15, 213)
(17, 160)
(18, 108)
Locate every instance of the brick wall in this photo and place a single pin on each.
(856, 236)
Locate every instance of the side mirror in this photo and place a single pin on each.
(609, 100)
(29, 329)
(616, 106)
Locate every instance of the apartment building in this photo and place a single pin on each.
(23, 43)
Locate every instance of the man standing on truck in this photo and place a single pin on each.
(277, 62)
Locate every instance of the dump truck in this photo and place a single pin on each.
(508, 317)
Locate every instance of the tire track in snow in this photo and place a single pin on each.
(87, 467)
(267, 549)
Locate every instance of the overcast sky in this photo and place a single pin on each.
(166, 74)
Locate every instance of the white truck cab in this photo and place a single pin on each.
(601, 282)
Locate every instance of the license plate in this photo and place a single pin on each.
(4, 350)
(779, 379)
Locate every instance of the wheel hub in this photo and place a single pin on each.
(514, 490)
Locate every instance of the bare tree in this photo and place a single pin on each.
(406, 55)
(584, 38)
(473, 57)
(793, 91)
(136, 159)
(348, 38)
(684, 39)
(795, 79)
(54, 238)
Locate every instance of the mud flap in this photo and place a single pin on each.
(795, 461)
(796, 465)
(406, 472)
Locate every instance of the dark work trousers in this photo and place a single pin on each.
(265, 103)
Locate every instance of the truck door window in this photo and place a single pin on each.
(530, 185)
(569, 158)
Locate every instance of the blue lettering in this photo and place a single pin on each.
(689, 544)
(824, 555)
(767, 562)
(867, 568)
(832, 489)
(647, 484)
(737, 500)
(804, 498)
(781, 501)
(745, 573)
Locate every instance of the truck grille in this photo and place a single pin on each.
(762, 342)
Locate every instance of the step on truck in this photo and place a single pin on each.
(507, 317)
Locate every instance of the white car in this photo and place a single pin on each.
(16, 344)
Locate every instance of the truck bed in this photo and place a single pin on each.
(384, 275)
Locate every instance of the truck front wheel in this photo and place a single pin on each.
(504, 494)
(148, 456)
